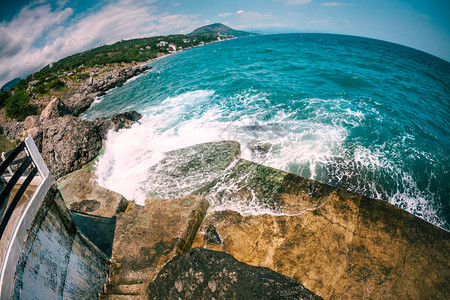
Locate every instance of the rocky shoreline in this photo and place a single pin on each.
(324, 242)
(67, 142)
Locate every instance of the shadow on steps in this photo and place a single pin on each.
(100, 230)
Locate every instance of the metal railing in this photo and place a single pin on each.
(18, 169)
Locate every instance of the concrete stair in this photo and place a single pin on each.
(124, 291)
(146, 238)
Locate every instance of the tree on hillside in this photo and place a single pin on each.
(18, 106)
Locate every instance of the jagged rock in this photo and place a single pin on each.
(81, 194)
(185, 171)
(117, 122)
(336, 243)
(114, 79)
(31, 122)
(79, 103)
(55, 109)
(206, 274)
(68, 143)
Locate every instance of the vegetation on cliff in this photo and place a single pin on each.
(56, 78)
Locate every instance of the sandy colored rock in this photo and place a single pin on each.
(81, 194)
(55, 109)
(146, 237)
(30, 122)
(337, 244)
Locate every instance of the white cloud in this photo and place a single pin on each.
(224, 15)
(334, 4)
(240, 12)
(39, 35)
(294, 2)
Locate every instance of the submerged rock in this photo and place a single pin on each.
(205, 274)
(186, 171)
(67, 144)
(259, 148)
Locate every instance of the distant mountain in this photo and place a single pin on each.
(11, 84)
(218, 28)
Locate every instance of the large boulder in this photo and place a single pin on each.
(55, 109)
(206, 274)
(147, 237)
(117, 122)
(68, 143)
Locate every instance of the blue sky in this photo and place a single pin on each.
(35, 33)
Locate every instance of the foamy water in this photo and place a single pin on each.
(317, 119)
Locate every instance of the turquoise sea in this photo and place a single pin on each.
(366, 115)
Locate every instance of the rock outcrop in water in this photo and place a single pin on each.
(195, 166)
(117, 122)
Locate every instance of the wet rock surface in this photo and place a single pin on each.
(185, 171)
(205, 274)
(117, 122)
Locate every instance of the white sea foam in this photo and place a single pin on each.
(314, 146)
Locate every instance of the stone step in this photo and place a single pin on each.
(121, 297)
(126, 289)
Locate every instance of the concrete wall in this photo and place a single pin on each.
(58, 261)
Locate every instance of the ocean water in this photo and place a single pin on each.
(361, 114)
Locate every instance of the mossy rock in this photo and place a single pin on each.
(182, 172)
